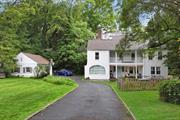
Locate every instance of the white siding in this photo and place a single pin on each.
(24, 61)
(155, 63)
(144, 66)
(103, 61)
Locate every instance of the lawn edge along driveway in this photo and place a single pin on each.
(132, 114)
(54, 101)
(147, 104)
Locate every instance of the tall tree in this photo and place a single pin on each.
(155, 21)
(44, 27)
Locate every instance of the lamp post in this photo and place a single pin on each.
(50, 67)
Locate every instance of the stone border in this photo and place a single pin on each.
(46, 106)
(124, 103)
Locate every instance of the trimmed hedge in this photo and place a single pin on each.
(60, 80)
(170, 91)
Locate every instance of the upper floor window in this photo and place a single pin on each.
(150, 56)
(96, 55)
(132, 56)
(159, 55)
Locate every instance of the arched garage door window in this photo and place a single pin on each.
(97, 69)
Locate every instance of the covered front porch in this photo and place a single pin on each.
(134, 71)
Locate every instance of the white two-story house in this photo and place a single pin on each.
(103, 62)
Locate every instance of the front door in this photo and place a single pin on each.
(129, 71)
(112, 71)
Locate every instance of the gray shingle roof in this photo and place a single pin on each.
(37, 58)
(110, 42)
(102, 44)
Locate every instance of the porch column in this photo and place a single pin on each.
(116, 63)
(143, 67)
(136, 63)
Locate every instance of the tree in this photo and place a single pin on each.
(54, 29)
(99, 12)
(161, 28)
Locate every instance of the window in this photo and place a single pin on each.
(122, 68)
(97, 69)
(159, 55)
(131, 70)
(24, 70)
(1, 64)
(27, 69)
(152, 70)
(150, 56)
(17, 70)
(96, 55)
(158, 70)
(132, 56)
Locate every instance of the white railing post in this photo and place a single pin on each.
(116, 63)
(136, 62)
(143, 66)
(50, 65)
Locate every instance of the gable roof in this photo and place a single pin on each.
(37, 58)
(111, 43)
(102, 44)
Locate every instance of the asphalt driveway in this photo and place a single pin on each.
(91, 101)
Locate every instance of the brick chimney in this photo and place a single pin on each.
(99, 34)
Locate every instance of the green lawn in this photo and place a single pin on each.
(146, 105)
(20, 97)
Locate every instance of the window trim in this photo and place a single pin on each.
(154, 71)
(160, 56)
(132, 56)
(158, 72)
(150, 57)
(96, 55)
(26, 71)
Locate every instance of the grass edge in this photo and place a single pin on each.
(50, 103)
(132, 114)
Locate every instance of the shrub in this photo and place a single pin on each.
(59, 80)
(41, 71)
(170, 91)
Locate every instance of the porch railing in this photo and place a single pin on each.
(119, 60)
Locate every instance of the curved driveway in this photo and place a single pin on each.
(91, 101)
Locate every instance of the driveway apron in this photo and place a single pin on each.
(90, 101)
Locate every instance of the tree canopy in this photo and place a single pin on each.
(51, 28)
(155, 21)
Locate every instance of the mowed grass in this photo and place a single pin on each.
(20, 97)
(146, 105)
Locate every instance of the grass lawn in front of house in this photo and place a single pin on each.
(20, 97)
(145, 105)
